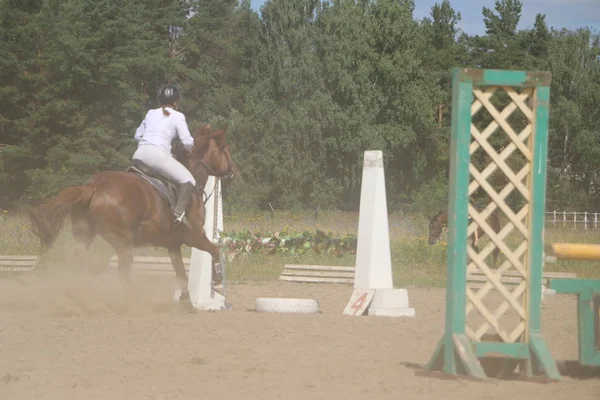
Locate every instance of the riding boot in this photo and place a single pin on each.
(184, 195)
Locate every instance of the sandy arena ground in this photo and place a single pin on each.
(78, 338)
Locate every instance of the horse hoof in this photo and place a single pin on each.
(219, 289)
(185, 302)
(185, 296)
(217, 281)
(187, 306)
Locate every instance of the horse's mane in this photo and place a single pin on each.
(201, 139)
(205, 134)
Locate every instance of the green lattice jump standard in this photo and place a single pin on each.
(458, 352)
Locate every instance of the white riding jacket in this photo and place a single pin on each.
(159, 129)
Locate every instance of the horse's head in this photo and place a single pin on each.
(211, 155)
(436, 224)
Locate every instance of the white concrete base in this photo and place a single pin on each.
(202, 294)
(391, 303)
(286, 305)
(392, 312)
(215, 301)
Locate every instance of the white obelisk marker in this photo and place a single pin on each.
(202, 295)
(373, 258)
(373, 271)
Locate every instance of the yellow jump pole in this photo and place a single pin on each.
(576, 251)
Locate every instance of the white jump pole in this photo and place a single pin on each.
(374, 292)
(202, 294)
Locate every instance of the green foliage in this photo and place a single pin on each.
(414, 261)
(287, 242)
(431, 197)
(305, 88)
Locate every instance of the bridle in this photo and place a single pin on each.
(228, 174)
(210, 172)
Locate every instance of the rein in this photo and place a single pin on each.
(211, 192)
(211, 172)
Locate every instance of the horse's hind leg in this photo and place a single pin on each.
(123, 246)
(125, 254)
(124, 250)
(83, 233)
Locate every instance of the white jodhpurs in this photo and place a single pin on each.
(163, 163)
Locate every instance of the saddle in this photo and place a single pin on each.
(165, 186)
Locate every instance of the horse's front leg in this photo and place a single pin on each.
(495, 253)
(179, 267)
(196, 237)
(199, 240)
(475, 246)
(217, 271)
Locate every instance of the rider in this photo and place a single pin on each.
(154, 136)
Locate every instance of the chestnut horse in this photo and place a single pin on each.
(440, 220)
(127, 211)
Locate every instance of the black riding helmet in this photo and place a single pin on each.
(168, 94)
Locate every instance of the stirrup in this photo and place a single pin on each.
(181, 219)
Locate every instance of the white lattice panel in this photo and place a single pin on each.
(508, 153)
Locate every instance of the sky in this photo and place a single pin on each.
(570, 14)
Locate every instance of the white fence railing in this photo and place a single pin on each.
(573, 219)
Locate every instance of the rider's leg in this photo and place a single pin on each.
(184, 195)
(168, 166)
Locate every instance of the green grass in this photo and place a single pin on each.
(414, 262)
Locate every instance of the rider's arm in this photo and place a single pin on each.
(184, 132)
(140, 131)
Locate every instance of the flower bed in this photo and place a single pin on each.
(285, 242)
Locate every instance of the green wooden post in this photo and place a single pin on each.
(536, 232)
(587, 319)
(454, 335)
(457, 352)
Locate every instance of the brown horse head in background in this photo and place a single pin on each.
(440, 221)
(128, 212)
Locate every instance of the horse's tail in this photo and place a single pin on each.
(47, 219)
